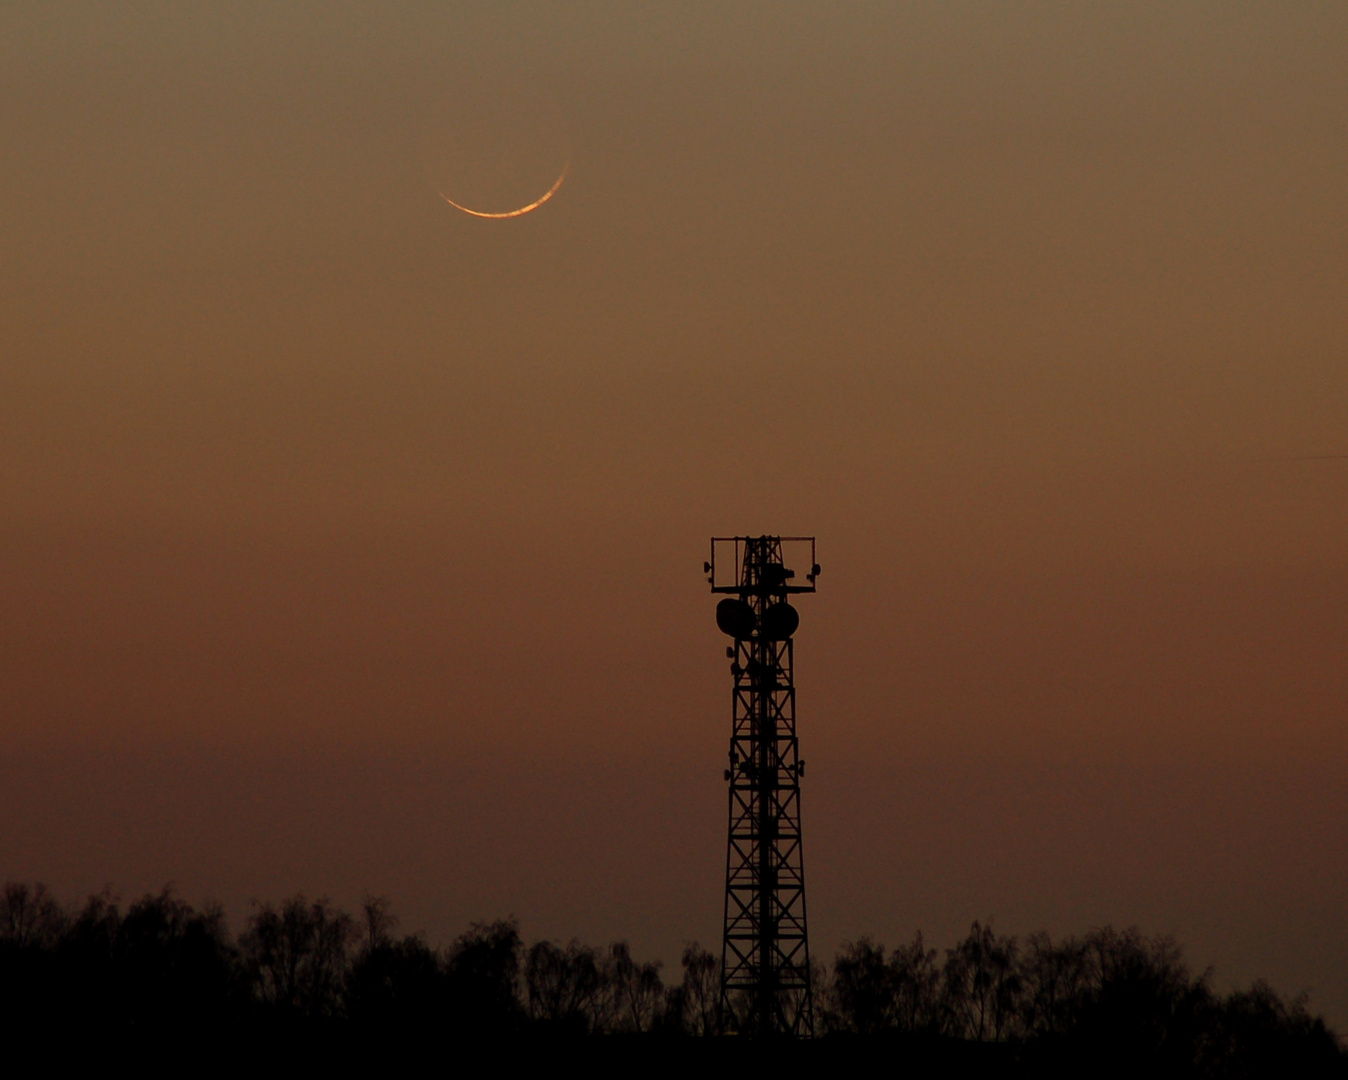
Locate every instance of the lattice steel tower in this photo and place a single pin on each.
(765, 952)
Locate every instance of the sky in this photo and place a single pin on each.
(350, 544)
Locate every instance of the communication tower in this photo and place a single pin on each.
(765, 952)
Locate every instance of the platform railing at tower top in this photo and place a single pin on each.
(724, 568)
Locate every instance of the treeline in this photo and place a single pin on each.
(307, 971)
(305, 967)
(1112, 1001)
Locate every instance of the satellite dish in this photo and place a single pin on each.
(735, 617)
(780, 621)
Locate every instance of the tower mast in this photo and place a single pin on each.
(765, 956)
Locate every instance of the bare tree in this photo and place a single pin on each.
(30, 916)
(982, 985)
(483, 968)
(378, 920)
(1056, 980)
(297, 955)
(394, 986)
(863, 993)
(563, 985)
(636, 990)
(701, 990)
(915, 980)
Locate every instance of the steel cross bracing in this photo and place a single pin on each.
(765, 960)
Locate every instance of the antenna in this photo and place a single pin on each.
(765, 952)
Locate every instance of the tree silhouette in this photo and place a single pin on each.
(1057, 979)
(306, 975)
(982, 986)
(563, 987)
(176, 966)
(296, 956)
(29, 916)
(637, 991)
(864, 998)
(700, 991)
(483, 970)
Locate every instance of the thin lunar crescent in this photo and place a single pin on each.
(512, 213)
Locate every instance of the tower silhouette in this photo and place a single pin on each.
(765, 953)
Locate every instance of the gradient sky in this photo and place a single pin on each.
(349, 543)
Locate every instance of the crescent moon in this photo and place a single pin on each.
(512, 213)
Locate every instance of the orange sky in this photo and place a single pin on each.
(350, 543)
